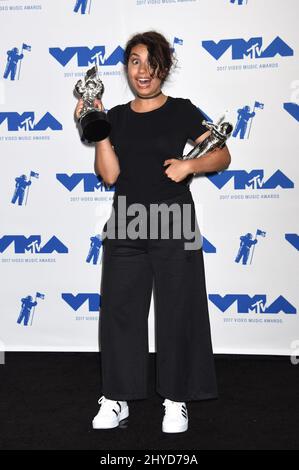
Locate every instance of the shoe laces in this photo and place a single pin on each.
(107, 405)
(172, 408)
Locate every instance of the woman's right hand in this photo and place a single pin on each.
(78, 108)
(97, 104)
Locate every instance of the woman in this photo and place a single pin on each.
(139, 157)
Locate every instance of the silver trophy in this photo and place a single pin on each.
(220, 132)
(93, 122)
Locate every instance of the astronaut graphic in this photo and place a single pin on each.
(244, 115)
(244, 250)
(240, 2)
(81, 4)
(13, 59)
(27, 305)
(21, 185)
(94, 250)
(247, 242)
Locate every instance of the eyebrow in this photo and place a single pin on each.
(134, 53)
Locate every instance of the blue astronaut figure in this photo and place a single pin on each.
(81, 4)
(21, 185)
(244, 115)
(27, 305)
(13, 58)
(94, 250)
(245, 245)
(240, 2)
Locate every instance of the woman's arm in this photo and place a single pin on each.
(106, 162)
(216, 160)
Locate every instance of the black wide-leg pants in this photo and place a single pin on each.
(185, 367)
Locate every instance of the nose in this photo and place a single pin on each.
(142, 67)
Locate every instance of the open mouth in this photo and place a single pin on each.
(143, 82)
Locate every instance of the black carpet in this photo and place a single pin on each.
(48, 400)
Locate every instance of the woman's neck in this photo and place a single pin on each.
(143, 105)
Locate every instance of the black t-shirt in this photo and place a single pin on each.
(142, 141)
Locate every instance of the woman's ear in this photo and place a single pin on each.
(125, 69)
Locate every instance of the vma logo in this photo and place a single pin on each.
(292, 109)
(253, 179)
(253, 48)
(293, 239)
(76, 301)
(256, 304)
(208, 247)
(26, 122)
(32, 244)
(91, 182)
(86, 56)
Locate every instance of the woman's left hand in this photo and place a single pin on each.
(178, 169)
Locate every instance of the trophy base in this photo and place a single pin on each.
(95, 126)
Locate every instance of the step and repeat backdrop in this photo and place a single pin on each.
(233, 56)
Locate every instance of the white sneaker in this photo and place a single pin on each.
(110, 414)
(176, 416)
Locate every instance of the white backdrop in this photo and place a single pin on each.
(230, 56)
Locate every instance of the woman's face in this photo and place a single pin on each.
(139, 72)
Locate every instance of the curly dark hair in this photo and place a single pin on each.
(160, 53)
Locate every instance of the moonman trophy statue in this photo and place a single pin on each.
(220, 132)
(93, 122)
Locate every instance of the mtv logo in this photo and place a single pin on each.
(76, 301)
(86, 56)
(26, 122)
(240, 48)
